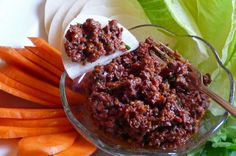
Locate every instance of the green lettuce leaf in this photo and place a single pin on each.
(159, 13)
(215, 21)
(211, 20)
(229, 47)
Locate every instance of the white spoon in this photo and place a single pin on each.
(75, 69)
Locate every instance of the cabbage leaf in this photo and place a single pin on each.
(215, 21)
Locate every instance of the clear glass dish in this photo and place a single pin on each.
(79, 115)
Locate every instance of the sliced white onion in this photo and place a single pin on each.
(110, 11)
(50, 10)
(54, 34)
(76, 69)
(113, 3)
(72, 13)
(130, 21)
(142, 33)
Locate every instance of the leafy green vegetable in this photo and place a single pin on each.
(209, 151)
(215, 21)
(204, 19)
(158, 13)
(127, 47)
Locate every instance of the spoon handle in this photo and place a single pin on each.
(226, 105)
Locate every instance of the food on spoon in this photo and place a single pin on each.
(144, 100)
(88, 41)
(85, 65)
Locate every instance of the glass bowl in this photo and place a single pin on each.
(80, 116)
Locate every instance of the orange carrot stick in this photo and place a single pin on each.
(39, 42)
(80, 147)
(47, 56)
(33, 82)
(47, 52)
(29, 80)
(25, 96)
(28, 90)
(36, 113)
(63, 121)
(8, 132)
(39, 61)
(46, 144)
(13, 57)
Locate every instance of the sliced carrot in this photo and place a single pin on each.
(47, 52)
(25, 96)
(29, 80)
(56, 62)
(9, 101)
(81, 147)
(39, 61)
(39, 42)
(63, 121)
(28, 90)
(46, 144)
(9, 132)
(13, 57)
(22, 113)
(36, 83)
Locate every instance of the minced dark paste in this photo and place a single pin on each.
(138, 99)
(88, 41)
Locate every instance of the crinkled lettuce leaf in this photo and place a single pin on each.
(211, 20)
(158, 13)
(215, 21)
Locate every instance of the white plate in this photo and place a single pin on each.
(19, 19)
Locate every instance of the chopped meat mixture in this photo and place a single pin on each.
(88, 41)
(137, 98)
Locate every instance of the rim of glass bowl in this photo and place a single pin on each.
(79, 127)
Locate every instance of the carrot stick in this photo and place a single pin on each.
(45, 55)
(22, 113)
(29, 80)
(46, 144)
(80, 147)
(47, 52)
(28, 90)
(13, 57)
(39, 42)
(39, 61)
(23, 95)
(33, 82)
(63, 121)
(8, 132)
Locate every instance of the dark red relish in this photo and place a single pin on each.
(88, 41)
(138, 99)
